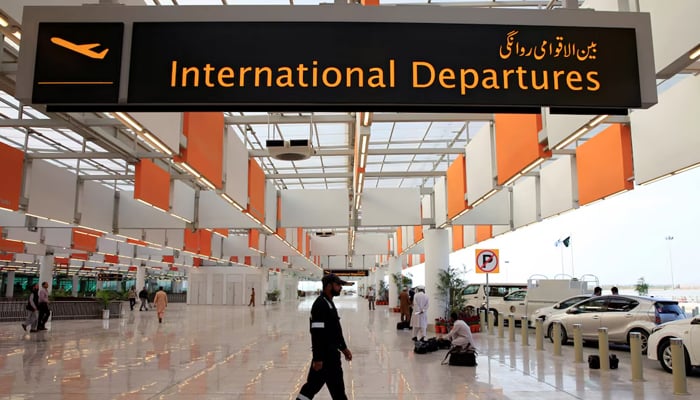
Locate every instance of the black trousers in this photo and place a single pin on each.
(331, 375)
(44, 313)
(132, 303)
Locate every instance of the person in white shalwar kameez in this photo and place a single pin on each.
(419, 319)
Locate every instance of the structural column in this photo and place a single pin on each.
(280, 285)
(76, 285)
(46, 270)
(140, 277)
(437, 258)
(10, 289)
(394, 268)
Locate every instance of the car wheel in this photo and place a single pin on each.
(562, 336)
(644, 339)
(665, 358)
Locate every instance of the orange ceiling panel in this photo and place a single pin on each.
(483, 232)
(247, 260)
(256, 190)
(399, 241)
(205, 242)
(83, 241)
(517, 143)
(604, 164)
(457, 187)
(152, 184)
(191, 242)
(205, 144)
(254, 239)
(11, 165)
(417, 233)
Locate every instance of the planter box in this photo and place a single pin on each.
(61, 310)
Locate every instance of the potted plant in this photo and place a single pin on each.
(450, 287)
(104, 297)
(273, 295)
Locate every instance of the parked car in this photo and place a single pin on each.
(475, 294)
(660, 342)
(620, 314)
(545, 313)
(513, 303)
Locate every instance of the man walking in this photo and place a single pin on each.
(143, 295)
(252, 297)
(419, 320)
(161, 302)
(327, 343)
(44, 310)
(33, 308)
(405, 305)
(132, 297)
(370, 297)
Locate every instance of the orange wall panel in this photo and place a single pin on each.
(417, 233)
(517, 144)
(308, 245)
(422, 258)
(152, 184)
(191, 242)
(604, 164)
(221, 231)
(11, 246)
(457, 237)
(82, 241)
(280, 231)
(205, 242)
(205, 144)
(483, 232)
(457, 186)
(256, 190)
(254, 239)
(11, 166)
(300, 239)
(247, 260)
(399, 241)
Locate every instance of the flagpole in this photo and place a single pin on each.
(571, 246)
(562, 259)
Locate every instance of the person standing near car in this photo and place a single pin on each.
(44, 311)
(143, 296)
(327, 343)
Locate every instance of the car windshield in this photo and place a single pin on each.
(471, 289)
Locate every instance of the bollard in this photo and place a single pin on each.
(501, 322)
(523, 331)
(636, 356)
(683, 309)
(696, 311)
(556, 338)
(680, 385)
(539, 337)
(482, 320)
(511, 328)
(603, 349)
(578, 344)
(491, 331)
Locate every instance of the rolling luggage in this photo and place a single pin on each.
(403, 325)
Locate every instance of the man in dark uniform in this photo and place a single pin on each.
(327, 343)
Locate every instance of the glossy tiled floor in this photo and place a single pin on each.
(219, 352)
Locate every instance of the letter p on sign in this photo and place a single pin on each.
(487, 261)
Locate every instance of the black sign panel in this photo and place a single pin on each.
(381, 66)
(347, 272)
(104, 276)
(78, 63)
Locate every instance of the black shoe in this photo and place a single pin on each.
(42, 329)
(414, 339)
(33, 330)
(160, 320)
(24, 327)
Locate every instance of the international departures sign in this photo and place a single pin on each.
(323, 66)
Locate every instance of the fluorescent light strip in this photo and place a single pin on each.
(18, 34)
(597, 120)
(207, 183)
(366, 118)
(532, 166)
(127, 120)
(695, 54)
(156, 143)
(688, 168)
(180, 218)
(571, 138)
(11, 43)
(190, 170)
(3, 22)
(513, 179)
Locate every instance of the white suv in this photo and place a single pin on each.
(660, 342)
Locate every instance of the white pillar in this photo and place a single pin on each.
(10, 288)
(264, 285)
(76, 285)
(46, 270)
(140, 277)
(437, 258)
(394, 267)
(98, 285)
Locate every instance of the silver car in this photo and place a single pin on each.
(622, 315)
(545, 313)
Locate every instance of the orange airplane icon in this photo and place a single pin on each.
(84, 49)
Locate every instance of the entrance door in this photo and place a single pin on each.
(230, 293)
(218, 289)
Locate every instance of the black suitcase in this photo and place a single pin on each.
(594, 361)
(403, 325)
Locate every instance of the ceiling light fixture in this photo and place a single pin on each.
(128, 121)
(695, 54)
(572, 138)
(3, 21)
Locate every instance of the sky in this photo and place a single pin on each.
(619, 239)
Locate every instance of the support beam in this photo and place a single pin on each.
(384, 174)
(349, 118)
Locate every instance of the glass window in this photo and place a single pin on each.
(593, 305)
(471, 289)
(570, 302)
(516, 296)
(621, 304)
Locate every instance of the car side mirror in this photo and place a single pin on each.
(695, 321)
(573, 310)
(556, 306)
